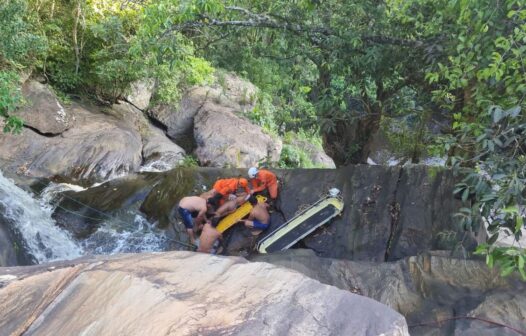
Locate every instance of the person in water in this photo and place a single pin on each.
(192, 210)
(259, 217)
(209, 236)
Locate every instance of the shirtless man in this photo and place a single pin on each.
(259, 218)
(231, 205)
(192, 207)
(209, 235)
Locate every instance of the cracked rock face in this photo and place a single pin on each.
(97, 147)
(182, 293)
(43, 111)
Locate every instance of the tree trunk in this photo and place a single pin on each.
(75, 38)
(350, 140)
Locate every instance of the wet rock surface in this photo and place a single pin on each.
(182, 293)
(390, 212)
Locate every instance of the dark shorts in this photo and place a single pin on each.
(186, 215)
(260, 226)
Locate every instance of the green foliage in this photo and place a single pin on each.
(508, 259)
(493, 190)
(296, 147)
(10, 99)
(18, 43)
(189, 161)
(294, 157)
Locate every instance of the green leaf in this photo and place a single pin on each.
(493, 239)
(518, 222)
(465, 195)
(497, 115)
(507, 271)
(513, 209)
(489, 260)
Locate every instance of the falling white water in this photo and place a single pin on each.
(166, 162)
(118, 236)
(122, 231)
(50, 196)
(44, 240)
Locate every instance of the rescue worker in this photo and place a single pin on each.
(259, 217)
(225, 189)
(263, 179)
(192, 207)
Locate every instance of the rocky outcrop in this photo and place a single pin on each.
(182, 293)
(140, 93)
(43, 112)
(101, 143)
(209, 120)
(160, 153)
(99, 146)
(437, 294)
(179, 120)
(230, 92)
(227, 140)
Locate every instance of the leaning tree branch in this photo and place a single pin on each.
(316, 34)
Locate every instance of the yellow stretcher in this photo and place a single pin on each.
(301, 225)
(237, 215)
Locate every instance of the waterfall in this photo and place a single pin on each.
(123, 231)
(25, 216)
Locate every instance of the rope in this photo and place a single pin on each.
(437, 323)
(78, 214)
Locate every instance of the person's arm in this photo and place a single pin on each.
(247, 189)
(191, 235)
(200, 219)
(259, 188)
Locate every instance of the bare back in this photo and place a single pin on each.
(260, 213)
(193, 203)
(207, 239)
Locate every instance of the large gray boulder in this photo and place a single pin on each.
(229, 91)
(226, 140)
(179, 120)
(437, 294)
(182, 293)
(43, 111)
(98, 147)
(227, 132)
(159, 152)
(101, 143)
